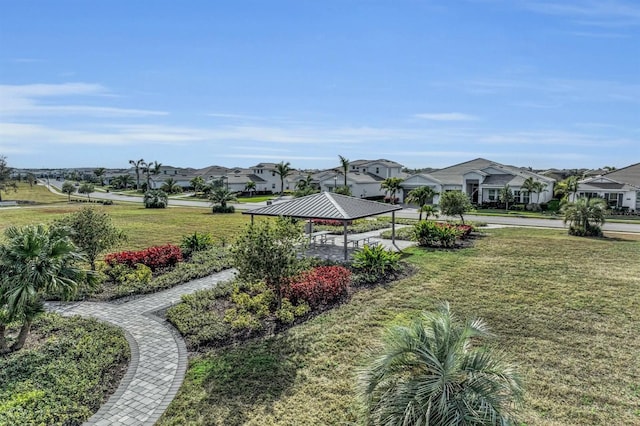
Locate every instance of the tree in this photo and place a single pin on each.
(585, 216)
(506, 195)
(197, 183)
(155, 199)
(428, 210)
(421, 196)
(529, 185)
(268, 251)
(170, 186)
(432, 372)
(6, 183)
(391, 186)
(36, 261)
(92, 231)
(566, 187)
(250, 187)
(538, 188)
(221, 197)
(343, 190)
(154, 170)
(68, 188)
(99, 172)
(137, 165)
(283, 170)
(454, 203)
(31, 179)
(86, 188)
(344, 164)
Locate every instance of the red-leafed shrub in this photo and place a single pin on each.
(156, 257)
(320, 286)
(464, 230)
(329, 222)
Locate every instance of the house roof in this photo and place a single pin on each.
(325, 205)
(629, 174)
(500, 180)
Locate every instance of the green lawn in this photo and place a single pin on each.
(38, 194)
(566, 309)
(255, 198)
(144, 227)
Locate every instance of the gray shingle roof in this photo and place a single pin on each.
(325, 205)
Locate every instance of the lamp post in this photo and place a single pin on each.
(335, 183)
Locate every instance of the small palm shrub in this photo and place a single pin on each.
(433, 373)
(223, 209)
(433, 234)
(156, 199)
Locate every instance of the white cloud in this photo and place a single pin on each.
(446, 116)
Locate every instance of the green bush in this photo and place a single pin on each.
(375, 260)
(197, 319)
(553, 206)
(433, 234)
(401, 234)
(288, 312)
(591, 231)
(223, 209)
(196, 242)
(66, 377)
(156, 199)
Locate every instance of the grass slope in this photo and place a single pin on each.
(566, 309)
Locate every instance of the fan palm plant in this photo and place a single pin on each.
(170, 186)
(36, 261)
(137, 166)
(391, 186)
(585, 216)
(222, 196)
(429, 373)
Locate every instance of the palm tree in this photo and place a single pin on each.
(432, 373)
(391, 186)
(566, 187)
(197, 183)
(155, 170)
(222, 196)
(68, 188)
(421, 196)
(344, 164)
(137, 164)
(170, 186)
(429, 210)
(539, 188)
(506, 195)
(250, 187)
(283, 170)
(529, 185)
(99, 172)
(585, 216)
(37, 261)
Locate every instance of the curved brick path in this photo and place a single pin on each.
(158, 354)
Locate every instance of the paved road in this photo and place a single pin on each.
(158, 354)
(406, 213)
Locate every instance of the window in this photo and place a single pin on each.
(492, 194)
(273, 186)
(377, 170)
(525, 197)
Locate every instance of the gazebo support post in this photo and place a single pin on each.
(393, 230)
(251, 219)
(346, 256)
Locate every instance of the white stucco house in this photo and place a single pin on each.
(481, 180)
(620, 188)
(363, 178)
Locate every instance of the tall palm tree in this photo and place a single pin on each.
(155, 169)
(344, 163)
(506, 195)
(37, 261)
(429, 210)
(283, 170)
(421, 196)
(170, 186)
(137, 165)
(585, 215)
(529, 185)
(432, 373)
(391, 186)
(197, 183)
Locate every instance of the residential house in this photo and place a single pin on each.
(620, 188)
(481, 180)
(363, 178)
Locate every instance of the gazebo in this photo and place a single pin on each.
(329, 206)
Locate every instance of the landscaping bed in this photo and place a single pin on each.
(67, 370)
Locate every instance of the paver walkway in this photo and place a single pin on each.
(158, 354)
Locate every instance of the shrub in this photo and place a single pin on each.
(432, 234)
(376, 260)
(401, 234)
(154, 257)
(196, 242)
(320, 286)
(288, 312)
(223, 209)
(591, 231)
(553, 206)
(124, 275)
(329, 222)
(156, 199)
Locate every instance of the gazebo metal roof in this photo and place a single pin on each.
(325, 205)
(329, 205)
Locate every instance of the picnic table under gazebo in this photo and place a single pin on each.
(329, 206)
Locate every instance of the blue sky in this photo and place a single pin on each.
(540, 83)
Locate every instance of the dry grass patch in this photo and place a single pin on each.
(566, 309)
